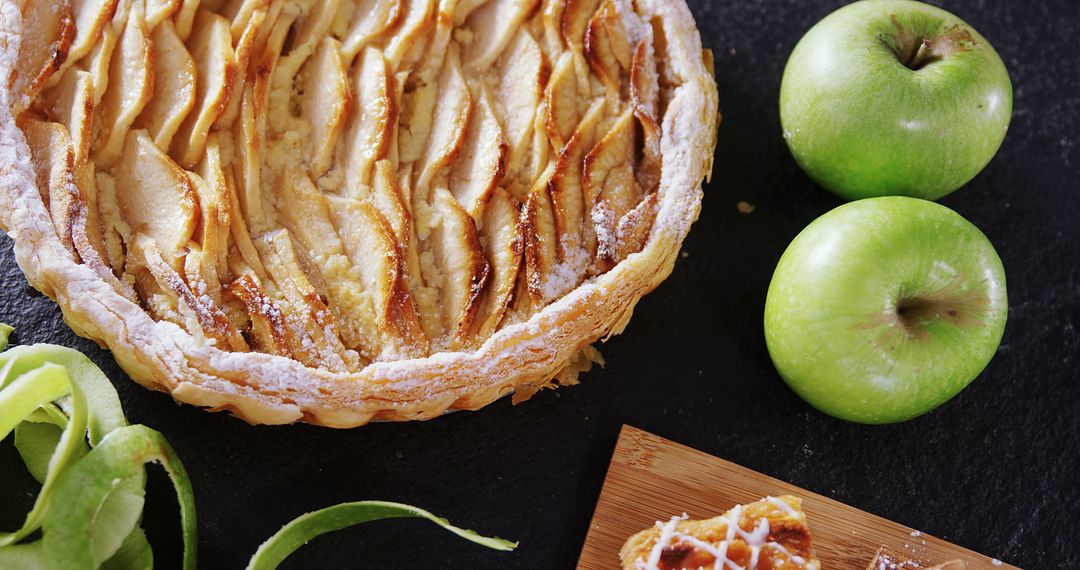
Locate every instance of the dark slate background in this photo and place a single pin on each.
(995, 470)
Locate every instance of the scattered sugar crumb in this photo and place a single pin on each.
(684, 254)
(916, 534)
(745, 207)
(995, 562)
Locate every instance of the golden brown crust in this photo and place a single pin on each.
(274, 385)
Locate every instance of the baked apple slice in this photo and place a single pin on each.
(156, 197)
(325, 102)
(42, 49)
(174, 86)
(211, 48)
(130, 86)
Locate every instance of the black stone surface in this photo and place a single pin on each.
(996, 469)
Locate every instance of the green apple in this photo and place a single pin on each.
(885, 308)
(894, 97)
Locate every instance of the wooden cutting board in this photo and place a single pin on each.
(652, 479)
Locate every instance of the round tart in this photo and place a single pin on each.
(339, 211)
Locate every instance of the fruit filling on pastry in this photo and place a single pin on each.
(770, 534)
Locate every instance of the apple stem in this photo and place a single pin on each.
(923, 55)
(916, 51)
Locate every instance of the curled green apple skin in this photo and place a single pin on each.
(894, 98)
(883, 309)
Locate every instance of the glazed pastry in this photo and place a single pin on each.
(771, 534)
(339, 211)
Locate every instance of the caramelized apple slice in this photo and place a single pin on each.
(48, 31)
(215, 62)
(570, 204)
(539, 239)
(311, 330)
(644, 81)
(247, 260)
(324, 104)
(53, 160)
(408, 40)
(245, 48)
(522, 74)
(203, 280)
(130, 87)
(612, 157)
(86, 231)
(71, 103)
(448, 125)
(561, 100)
(575, 20)
(493, 25)
(314, 25)
(208, 318)
(159, 10)
(203, 296)
(369, 19)
(644, 96)
(372, 124)
(463, 271)
(88, 236)
(482, 160)
(185, 18)
(501, 238)
(611, 188)
(239, 12)
(648, 169)
(415, 247)
(215, 218)
(97, 63)
(387, 197)
(90, 18)
(156, 197)
(115, 232)
(369, 242)
(247, 166)
(270, 112)
(308, 219)
(438, 42)
(633, 229)
(268, 327)
(462, 9)
(417, 113)
(552, 22)
(174, 86)
(607, 47)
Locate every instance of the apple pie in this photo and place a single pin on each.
(339, 211)
(770, 534)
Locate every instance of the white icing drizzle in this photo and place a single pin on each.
(666, 532)
(782, 506)
(793, 557)
(757, 540)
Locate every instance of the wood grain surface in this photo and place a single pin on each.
(652, 479)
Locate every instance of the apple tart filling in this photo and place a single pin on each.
(344, 182)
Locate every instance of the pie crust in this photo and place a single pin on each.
(340, 211)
